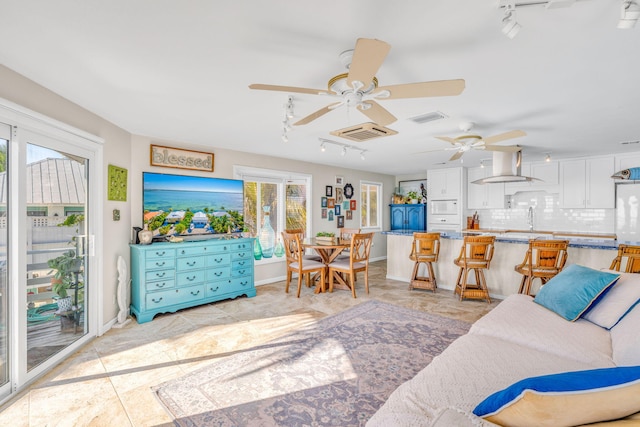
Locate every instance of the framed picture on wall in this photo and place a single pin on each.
(323, 202)
(340, 221)
(324, 213)
(328, 190)
(352, 205)
(330, 215)
(331, 203)
(339, 195)
(417, 185)
(338, 208)
(349, 215)
(339, 180)
(345, 205)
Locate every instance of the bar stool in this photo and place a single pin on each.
(476, 254)
(424, 250)
(543, 260)
(630, 254)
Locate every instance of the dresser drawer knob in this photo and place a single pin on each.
(241, 263)
(218, 260)
(218, 273)
(214, 290)
(156, 301)
(244, 283)
(160, 253)
(241, 254)
(161, 285)
(241, 271)
(164, 273)
(191, 264)
(160, 264)
(195, 293)
(191, 279)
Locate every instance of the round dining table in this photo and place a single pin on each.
(328, 250)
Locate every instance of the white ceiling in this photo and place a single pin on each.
(180, 70)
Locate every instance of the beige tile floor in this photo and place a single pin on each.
(107, 382)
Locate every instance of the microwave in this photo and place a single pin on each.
(443, 207)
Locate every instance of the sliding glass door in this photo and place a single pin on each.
(48, 276)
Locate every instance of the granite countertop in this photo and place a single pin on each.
(576, 240)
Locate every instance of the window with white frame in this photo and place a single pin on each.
(279, 196)
(370, 205)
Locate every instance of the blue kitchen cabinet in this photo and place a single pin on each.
(408, 217)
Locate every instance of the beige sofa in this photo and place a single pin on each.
(518, 339)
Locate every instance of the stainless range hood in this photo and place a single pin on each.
(506, 168)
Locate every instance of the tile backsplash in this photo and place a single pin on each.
(547, 215)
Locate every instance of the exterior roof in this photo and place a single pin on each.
(52, 182)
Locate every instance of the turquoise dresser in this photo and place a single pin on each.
(166, 277)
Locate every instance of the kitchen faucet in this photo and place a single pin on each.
(530, 218)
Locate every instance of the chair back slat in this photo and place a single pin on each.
(292, 247)
(360, 247)
(425, 246)
(548, 253)
(478, 248)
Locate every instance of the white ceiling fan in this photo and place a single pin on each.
(359, 86)
(463, 143)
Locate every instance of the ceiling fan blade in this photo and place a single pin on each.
(424, 89)
(378, 113)
(289, 89)
(368, 56)
(456, 156)
(503, 136)
(447, 139)
(321, 112)
(505, 148)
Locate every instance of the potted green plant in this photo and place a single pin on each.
(412, 196)
(67, 267)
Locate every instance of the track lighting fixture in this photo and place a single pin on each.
(482, 164)
(510, 26)
(344, 148)
(288, 114)
(629, 14)
(547, 157)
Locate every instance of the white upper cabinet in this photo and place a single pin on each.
(547, 172)
(444, 183)
(483, 196)
(587, 183)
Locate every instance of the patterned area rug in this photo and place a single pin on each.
(336, 373)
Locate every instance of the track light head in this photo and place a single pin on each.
(323, 147)
(510, 26)
(344, 151)
(362, 155)
(547, 157)
(285, 138)
(629, 14)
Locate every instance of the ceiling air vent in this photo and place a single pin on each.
(363, 132)
(428, 117)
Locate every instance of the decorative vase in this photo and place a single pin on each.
(257, 250)
(145, 236)
(279, 250)
(267, 235)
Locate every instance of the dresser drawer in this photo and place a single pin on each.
(243, 246)
(191, 251)
(160, 285)
(189, 277)
(159, 262)
(218, 273)
(190, 263)
(218, 260)
(247, 254)
(151, 276)
(174, 296)
(239, 284)
(241, 263)
(160, 253)
(245, 271)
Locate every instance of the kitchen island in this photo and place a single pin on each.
(595, 251)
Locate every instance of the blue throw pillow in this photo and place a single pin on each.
(572, 291)
(568, 398)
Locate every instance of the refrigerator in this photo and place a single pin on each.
(627, 215)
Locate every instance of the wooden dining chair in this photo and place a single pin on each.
(543, 260)
(345, 236)
(475, 255)
(358, 261)
(629, 256)
(297, 264)
(300, 231)
(424, 250)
